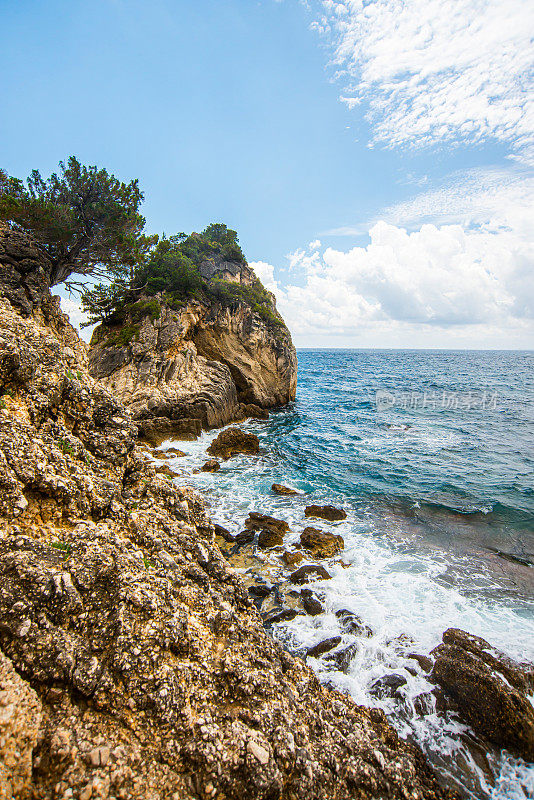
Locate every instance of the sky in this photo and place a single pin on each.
(376, 157)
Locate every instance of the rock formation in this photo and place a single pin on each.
(209, 361)
(136, 658)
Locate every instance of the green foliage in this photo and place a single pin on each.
(83, 218)
(65, 548)
(256, 296)
(123, 336)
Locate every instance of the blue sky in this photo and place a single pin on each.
(279, 118)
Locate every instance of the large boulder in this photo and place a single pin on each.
(488, 688)
(232, 442)
(331, 513)
(321, 544)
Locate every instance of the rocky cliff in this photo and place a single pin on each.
(133, 661)
(204, 361)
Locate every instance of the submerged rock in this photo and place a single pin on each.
(211, 465)
(488, 688)
(311, 603)
(307, 571)
(321, 543)
(285, 615)
(233, 441)
(270, 538)
(292, 558)
(330, 513)
(352, 623)
(277, 488)
(323, 647)
(388, 686)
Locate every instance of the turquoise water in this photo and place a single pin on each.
(436, 474)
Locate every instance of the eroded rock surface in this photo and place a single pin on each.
(232, 442)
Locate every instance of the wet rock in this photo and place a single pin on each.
(342, 657)
(489, 690)
(172, 452)
(424, 662)
(277, 488)
(323, 647)
(269, 538)
(233, 441)
(307, 571)
(330, 513)
(424, 704)
(157, 430)
(285, 615)
(388, 686)
(321, 543)
(223, 533)
(252, 411)
(163, 469)
(245, 537)
(352, 623)
(211, 465)
(259, 522)
(292, 558)
(311, 603)
(260, 590)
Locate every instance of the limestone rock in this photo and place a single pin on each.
(211, 465)
(307, 571)
(233, 441)
(323, 647)
(321, 544)
(256, 521)
(325, 512)
(489, 690)
(20, 718)
(277, 488)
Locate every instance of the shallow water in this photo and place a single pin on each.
(437, 480)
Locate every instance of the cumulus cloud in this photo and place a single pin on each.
(436, 70)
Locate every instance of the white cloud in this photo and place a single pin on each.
(77, 317)
(436, 70)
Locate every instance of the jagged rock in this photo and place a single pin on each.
(323, 647)
(489, 689)
(154, 671)
(285, 615)
(157, 430)
(352, 623)
(171, 452)
(292, 558)
(256, 521)
(249, 410)
(311, 604)
(341, 658)
(424, 662)
(20, 719)
(270, 538)
(260, 590)
(388, 685)
(325, 512)
(224, 533)
(277, 488)
(211, 465)
(245, 537)
(233, 441)
(307, 571)
(321, 543)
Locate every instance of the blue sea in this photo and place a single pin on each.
(431, 453)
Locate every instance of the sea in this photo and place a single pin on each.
(431, 454)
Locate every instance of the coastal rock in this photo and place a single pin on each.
(323, 647)
(352, 623)
(20, 719)
(211, 465)
(270, 539)
(157, 430)
(321, 543)
(233, 441)
(153, 671)
(330, 513)
(388, 686)
(258, 522)
(292, 558)
(224, 533)
(307, 571)
(251, 411)
(489, 689)
(311, 603)
(277, 488)
(285, 615)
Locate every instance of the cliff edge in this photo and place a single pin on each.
(133, 663)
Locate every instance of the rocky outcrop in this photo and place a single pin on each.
(154, 675)
(25, 271)
(232, 442)
(489, 690)
(211, 361)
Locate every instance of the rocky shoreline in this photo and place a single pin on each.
(134, 661)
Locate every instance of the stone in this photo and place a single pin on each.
(321, 544)
(351, 623)
(311, 604)
(307, 571)
(224, 533)
(245, 537)
(285, 615)
(342, 657)
(260, 590)
(323, 647)
(157, 430)
(424, 661)
(211, 465)
(250, 410)
(259, 522)
(234, 441)
(277, 488)
(388, 686)
(489, 690)
(20, 718)
(269, 538)
(292, 558)
(325, 512)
